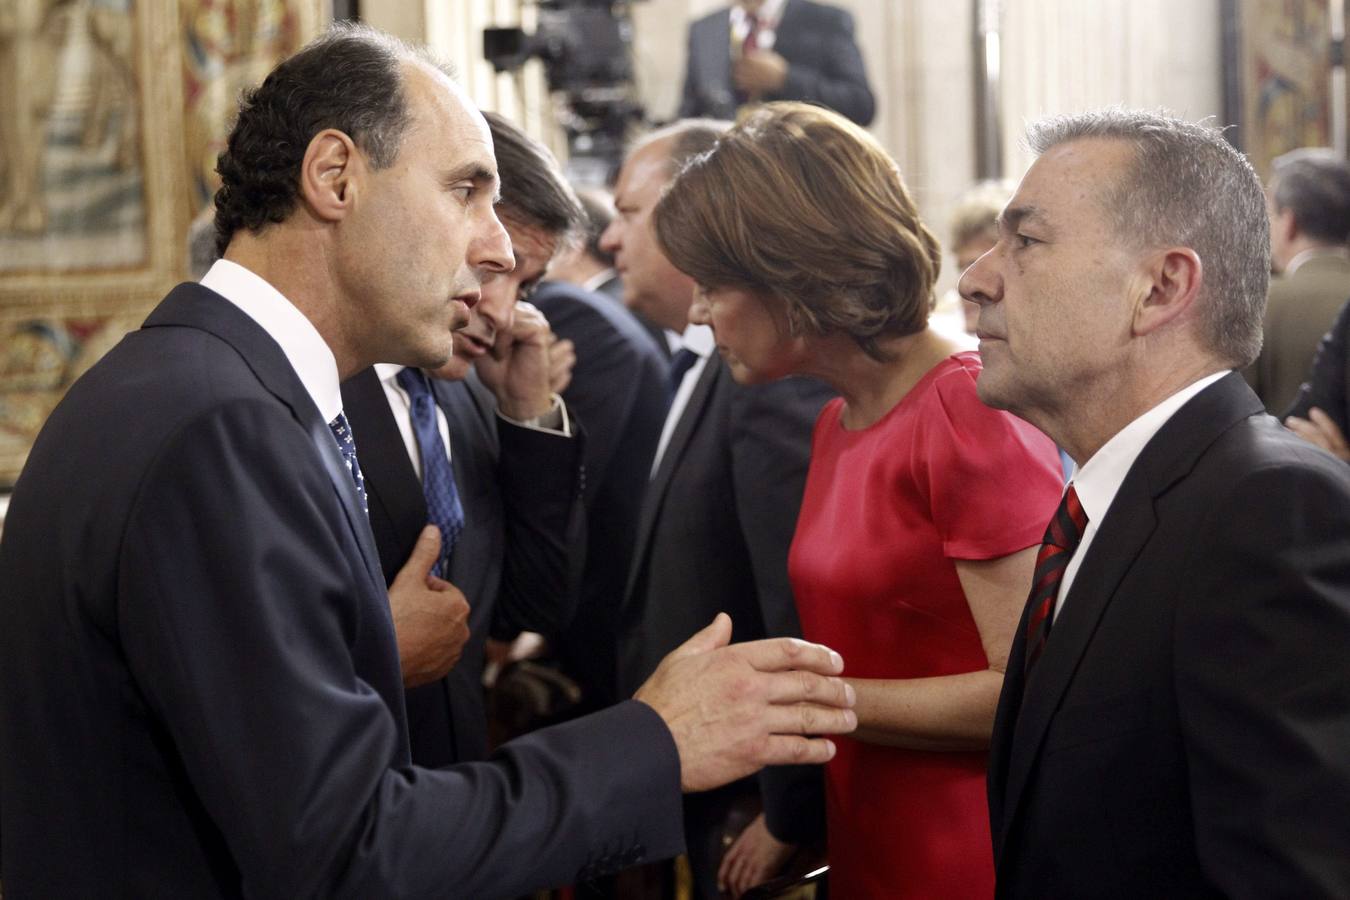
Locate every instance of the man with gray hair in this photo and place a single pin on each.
(1177, 708)
(1309, 201)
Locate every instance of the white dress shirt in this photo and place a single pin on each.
(555, 421)
(305, 349)
(768, 16)
(1100, 478)
(699, 339)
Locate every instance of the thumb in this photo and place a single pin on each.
(717, 634)
(425, 552)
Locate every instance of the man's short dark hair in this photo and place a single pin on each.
(599, 208)
(1314, 184)
(350, 79)
(534, 190)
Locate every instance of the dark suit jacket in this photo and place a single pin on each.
(715, 528)
(618, 390)
(1184, 732)
(520, 489)
(199, 687)
(1300, 309)
(1328, 385)
(824, 63)
(613, 289)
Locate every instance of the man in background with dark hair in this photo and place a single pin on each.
(591, 267)
(486, 450)
(718, 514)
(200, 689)
(1308, 197)
(617, 390)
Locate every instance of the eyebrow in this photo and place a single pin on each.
(1013, 216)
(479, 174)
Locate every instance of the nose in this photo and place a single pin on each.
(497, 300)
(490, 248)
(610, 241)
(980, 282)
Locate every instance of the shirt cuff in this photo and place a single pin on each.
(555, 421)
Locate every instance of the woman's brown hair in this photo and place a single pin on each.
(797, 202)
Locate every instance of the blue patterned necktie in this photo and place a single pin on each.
(343, 433)
(681, 362)
(438, 478)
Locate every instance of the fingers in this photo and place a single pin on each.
(808, 718)
(792, 750)
(1335, 439)
(779, 654)
(1308, 430)
(717, 634)
(798, 687)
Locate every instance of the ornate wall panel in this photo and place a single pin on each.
(110, 119)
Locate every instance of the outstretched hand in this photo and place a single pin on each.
(431, 616)
(735, 709)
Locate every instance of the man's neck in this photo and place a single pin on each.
(307, 287)
(1083, 426)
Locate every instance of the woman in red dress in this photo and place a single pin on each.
(923, 508)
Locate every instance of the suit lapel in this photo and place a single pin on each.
(693, 412)
(1121, 537)
(194, 306)
(392, 486)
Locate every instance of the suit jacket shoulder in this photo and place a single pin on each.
(219, 713)
(1151, 737)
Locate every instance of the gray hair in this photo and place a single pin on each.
(1314, 184)
(1187, 186)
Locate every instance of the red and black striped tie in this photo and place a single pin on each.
(1061, 539)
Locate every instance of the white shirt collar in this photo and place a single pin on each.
(768, 14)
(700, 339)
(305, 349)
(598, 280)
(388, 371)
(1299, 259)
(1100, 478)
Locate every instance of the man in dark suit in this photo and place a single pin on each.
(721, 506)
(1309, 201)
(1321, 411)
(617, 390)
(1177, 703)
(519, 483)
(200, 692)
(760, 50)
(591, 268)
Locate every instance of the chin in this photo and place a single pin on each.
(457, 368)
(991, 392)
(747, 376)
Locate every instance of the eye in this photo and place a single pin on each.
(464, 192)
(1022, 241)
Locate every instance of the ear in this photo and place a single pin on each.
(1173, 282)
(1285, 225)
(332, 169)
